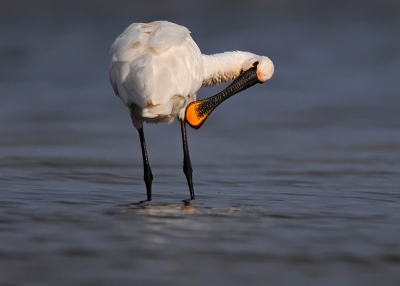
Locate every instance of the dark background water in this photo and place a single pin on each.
(297, 180)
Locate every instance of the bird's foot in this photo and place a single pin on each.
(128, 205)
(187, 202)
(139, 203)
(143, 202)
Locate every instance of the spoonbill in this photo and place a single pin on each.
(156, 70)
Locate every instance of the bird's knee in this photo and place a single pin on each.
(148, 176)
(187, 169)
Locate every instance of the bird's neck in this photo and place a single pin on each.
(224, 66)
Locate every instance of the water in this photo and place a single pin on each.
(296, 180)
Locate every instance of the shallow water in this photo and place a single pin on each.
(296, 180)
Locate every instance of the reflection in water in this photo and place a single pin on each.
(158, 209)
(173, 210)
(188, 208)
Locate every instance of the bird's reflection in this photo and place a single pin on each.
(187, 207)
(145, 206)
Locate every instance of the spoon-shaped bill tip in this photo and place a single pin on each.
(198, 111)
(194, 117)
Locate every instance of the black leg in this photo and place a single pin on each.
(148, 176)
(187, 167)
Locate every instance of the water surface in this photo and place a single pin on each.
(296, 180)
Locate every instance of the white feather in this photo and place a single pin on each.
(157, 68)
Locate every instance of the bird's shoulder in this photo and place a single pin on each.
(154, 62)
(139, 37)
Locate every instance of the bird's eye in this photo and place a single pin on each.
(255, 64)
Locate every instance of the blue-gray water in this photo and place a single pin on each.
(297, 180)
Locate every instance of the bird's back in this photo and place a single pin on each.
(156, 67)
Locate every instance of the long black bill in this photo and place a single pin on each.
(198, 111)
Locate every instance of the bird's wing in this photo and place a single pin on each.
(152, 63)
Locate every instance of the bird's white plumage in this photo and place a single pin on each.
(157, 68)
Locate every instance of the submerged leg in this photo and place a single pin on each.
(148, 176)
(187, 167)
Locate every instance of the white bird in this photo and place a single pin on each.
(156, 70)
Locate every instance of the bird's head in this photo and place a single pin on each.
(264, 67)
